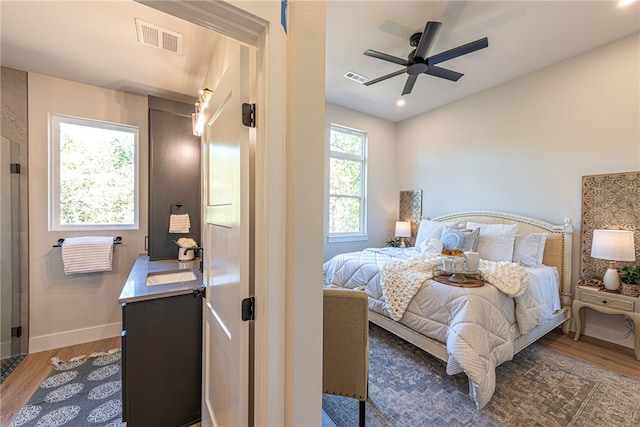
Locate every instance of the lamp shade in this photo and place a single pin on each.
(403, 229)
(613, 245)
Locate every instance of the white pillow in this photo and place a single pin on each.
(431, 246)
(430, 229)
(496, 241)
(529, 249)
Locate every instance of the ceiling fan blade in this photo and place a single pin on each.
(454, 76)
(385, 77)
(427, 39)
(408, 86)
(458, 51)
(385, 57)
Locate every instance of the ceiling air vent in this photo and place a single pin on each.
(161, 38)
(355, 77)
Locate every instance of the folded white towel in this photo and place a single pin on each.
(87, 254)
(179, 223)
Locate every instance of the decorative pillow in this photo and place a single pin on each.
(432, 230)
(431, 246)
(496, 240)
(461, 240)
(529, 249)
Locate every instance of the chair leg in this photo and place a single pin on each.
(362, 412)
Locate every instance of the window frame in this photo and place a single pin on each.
(362, 158)
(55, 120)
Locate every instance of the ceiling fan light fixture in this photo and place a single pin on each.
(400, 102)
(419, 62)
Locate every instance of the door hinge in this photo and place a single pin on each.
(248, 308)
(202, 292)
(16, 331)
(15, 167)
(249, 115)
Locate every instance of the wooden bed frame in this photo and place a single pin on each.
(557, 253)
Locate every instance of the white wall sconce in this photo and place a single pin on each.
(613, 245)
(197, 118)
(403, 229)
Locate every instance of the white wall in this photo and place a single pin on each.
(524, 146)
(383, 195)
(66, 310)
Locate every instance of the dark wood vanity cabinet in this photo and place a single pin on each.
(162, 361)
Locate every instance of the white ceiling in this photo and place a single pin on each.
(95, 42)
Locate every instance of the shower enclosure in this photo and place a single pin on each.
(10, 250)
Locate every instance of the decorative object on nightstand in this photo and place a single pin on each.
(591, 283)
(630, 280)
(613, 245)
(403, 229)
(608, 303)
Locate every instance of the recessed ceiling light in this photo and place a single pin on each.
(625, 2)
(400, 102)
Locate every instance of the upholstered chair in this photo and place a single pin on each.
(345, 356)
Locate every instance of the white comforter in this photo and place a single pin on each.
(478, 325)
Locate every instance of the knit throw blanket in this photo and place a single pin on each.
(402, 279)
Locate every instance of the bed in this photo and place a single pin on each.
(476, 329)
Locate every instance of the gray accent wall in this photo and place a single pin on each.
(174, 175)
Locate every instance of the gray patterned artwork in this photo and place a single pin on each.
(610, 201)
(411, 208)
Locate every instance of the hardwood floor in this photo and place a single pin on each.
(21, 384)
(610, 356)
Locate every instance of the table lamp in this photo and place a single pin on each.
(403, 229)
(613, 245)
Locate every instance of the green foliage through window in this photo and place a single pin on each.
(94, 169)
(347, 181)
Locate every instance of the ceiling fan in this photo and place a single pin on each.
(419, 63)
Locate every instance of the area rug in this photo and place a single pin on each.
(85, 391)
(8, 365)
(539, 387)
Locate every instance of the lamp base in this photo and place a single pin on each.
(611, 278)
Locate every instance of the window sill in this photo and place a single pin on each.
(343, 239)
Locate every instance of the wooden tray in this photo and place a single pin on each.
(470, 283)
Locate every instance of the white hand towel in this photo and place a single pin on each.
(179, 223)
(87, 254)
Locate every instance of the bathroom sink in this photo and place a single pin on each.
(166, 277)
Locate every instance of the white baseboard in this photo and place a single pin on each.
(77, 336)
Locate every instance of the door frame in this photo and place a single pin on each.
(258, 24)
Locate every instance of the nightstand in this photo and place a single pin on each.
(608, 303)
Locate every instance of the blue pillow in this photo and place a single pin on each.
(460, 240)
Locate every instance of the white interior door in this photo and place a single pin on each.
(227, 237)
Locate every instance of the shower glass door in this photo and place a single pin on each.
(9, 249)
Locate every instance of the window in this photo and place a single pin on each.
(93, 175)
(347, 183)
